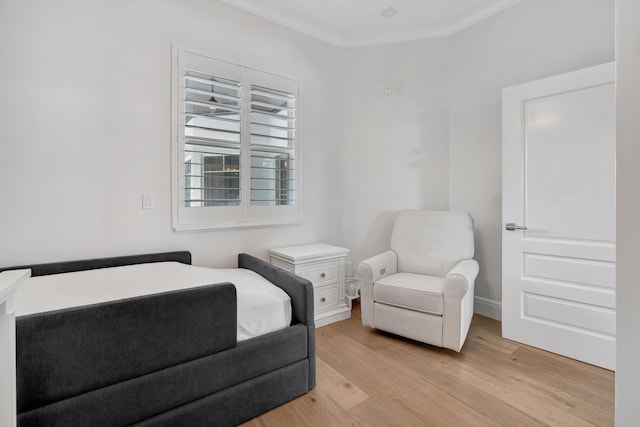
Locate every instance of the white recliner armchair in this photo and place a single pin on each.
(423, 288)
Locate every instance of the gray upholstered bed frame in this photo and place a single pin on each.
(168, 359)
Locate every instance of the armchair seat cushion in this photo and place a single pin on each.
(417, 292)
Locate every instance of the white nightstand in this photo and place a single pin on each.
(323, 265)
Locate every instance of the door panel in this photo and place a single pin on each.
(570, 163)
(559, 183)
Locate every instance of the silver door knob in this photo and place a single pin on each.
(512, 226)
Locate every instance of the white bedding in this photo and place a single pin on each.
(262, 306)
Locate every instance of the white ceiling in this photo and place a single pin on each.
(351, 23)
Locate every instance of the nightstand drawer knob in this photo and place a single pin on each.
(323, 299)
(323, 275)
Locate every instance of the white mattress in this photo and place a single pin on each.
(262, 306)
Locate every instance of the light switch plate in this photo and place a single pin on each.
(147, 201)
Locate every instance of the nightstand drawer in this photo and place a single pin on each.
(325, 298)
(321, 274)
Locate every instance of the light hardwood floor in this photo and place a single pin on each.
(370, 378)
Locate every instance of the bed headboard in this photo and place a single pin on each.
(183, 257)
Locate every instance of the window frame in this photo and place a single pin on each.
(244, 215)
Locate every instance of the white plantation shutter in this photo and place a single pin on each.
(212, 124)
(273, 143)
(235, 160)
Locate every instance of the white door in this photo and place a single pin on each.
(558, 207)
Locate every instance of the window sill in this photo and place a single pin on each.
(194, 228)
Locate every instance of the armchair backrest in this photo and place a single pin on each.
(432, 242)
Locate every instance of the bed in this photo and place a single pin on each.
(160, 356)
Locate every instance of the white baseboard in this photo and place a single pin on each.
(488, 308)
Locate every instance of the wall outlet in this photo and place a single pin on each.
(398, 87)
(394, 87)
(147, 201)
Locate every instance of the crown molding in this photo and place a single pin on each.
(342, 38)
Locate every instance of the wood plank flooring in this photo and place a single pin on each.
(370, 378)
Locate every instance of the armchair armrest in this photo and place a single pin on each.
(461, 278)
(376, 267)
(458, 303)
(370, 270)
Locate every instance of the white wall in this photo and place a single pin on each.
(628, 212)
(439, 146)
(532, 40)
(85, 117)
(85, 126)
(395, 146)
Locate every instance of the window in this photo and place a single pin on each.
(235, 159)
